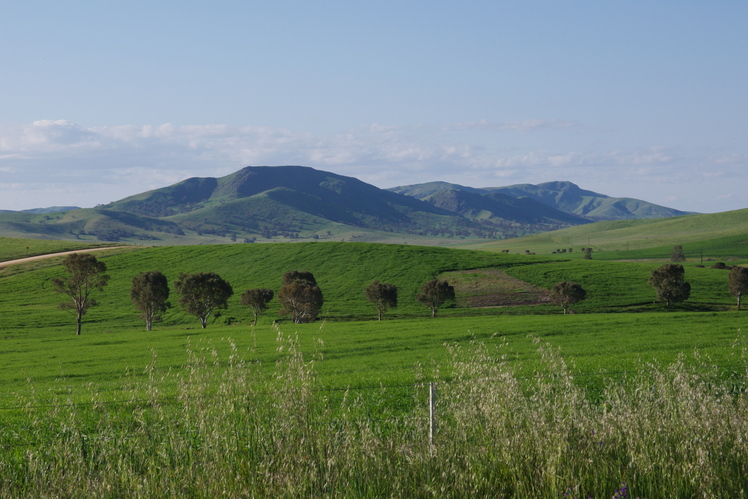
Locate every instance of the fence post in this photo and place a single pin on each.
(432, 413)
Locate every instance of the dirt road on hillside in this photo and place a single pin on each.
(50, 255)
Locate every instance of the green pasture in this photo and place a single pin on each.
(342, 270)
(362, 354)
(622, 286)
(718, 235)
(350, 347)
(13, 248)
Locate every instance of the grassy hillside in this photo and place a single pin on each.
(629, 235)
(342, 271)
(14, 248)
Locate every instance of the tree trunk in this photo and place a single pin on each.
(78, 328)
(379, 314)
(433, 312)
(738, 301)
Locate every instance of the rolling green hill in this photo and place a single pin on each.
(718, 235)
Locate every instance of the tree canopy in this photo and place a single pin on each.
(737, 282)
(86, 274)
(669, 283)
(150, 295)
(383, 295)
(257, 300)
(434, 294)
(567, 293)
(202, 293)
(300, 297)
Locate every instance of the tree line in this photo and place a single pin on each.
(205, 294)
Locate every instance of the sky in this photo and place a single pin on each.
(100, 100)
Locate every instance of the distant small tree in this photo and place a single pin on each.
(588, 253)
(677, 254)
(434, 294)
(86, 275)
(257, 300)
(669, 283)
(383, 295)
(567, 293)
(150, 294)
(300, 297)
(202, 294)
(737, 282)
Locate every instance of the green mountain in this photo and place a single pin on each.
(570, 198)
(294, 202)
(563, 196)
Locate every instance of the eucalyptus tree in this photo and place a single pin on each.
(86, 274)
(669, 283)
(202, 294)
(383, 295)
(300, 296)
(434, 294)
(567, 293)
(150, 295)
(737, 282)
(257, 300)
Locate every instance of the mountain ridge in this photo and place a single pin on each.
(263, 203)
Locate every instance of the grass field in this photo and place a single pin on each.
(12, 248)
(532, 403)
(713, 233)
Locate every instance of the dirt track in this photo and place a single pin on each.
(50, 255)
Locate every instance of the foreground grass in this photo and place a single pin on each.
(235, 429)
(360, 354)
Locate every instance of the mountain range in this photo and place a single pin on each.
(291, 202)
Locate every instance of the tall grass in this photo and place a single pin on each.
(235, 430)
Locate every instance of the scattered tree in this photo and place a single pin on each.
(383, 295)
(669, 283)
(300, 297)
(677, 254)
(567, 293)
(149, 293)
(86, 275)
(435, 293)
(737, 282)
(257, 300)
(588, 253)
(202, 293)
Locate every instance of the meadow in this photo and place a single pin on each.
(530, 402)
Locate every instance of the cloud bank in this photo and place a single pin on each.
(57, 162)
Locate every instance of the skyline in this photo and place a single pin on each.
(104, 101)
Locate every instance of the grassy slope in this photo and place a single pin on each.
(633, 234)
(14, 248)
(342, 270)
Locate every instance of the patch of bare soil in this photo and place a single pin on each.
(482, 288)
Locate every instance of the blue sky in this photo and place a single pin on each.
(645, 99)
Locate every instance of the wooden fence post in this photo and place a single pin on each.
(432, 413)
